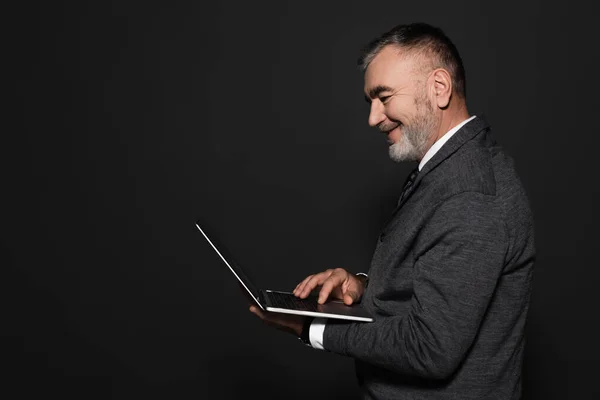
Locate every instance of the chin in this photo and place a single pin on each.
(401, 151)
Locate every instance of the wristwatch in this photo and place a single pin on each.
(366, 278)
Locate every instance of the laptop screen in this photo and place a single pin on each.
(228, 260)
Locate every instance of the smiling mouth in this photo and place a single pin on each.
(389, 138)
(389, 132)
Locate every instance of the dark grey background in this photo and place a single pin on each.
(129, 121)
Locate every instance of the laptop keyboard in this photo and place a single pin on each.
(286, 300)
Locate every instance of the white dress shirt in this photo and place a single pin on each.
(317, 327)
(440, 142)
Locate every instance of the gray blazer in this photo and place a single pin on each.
(449, 283)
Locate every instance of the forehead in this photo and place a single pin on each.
(391, 67)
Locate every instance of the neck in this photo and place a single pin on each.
(450, 117)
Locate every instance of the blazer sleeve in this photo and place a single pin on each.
(459, 255)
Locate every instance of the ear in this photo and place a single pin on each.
(442, 87)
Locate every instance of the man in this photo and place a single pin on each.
(449, 283)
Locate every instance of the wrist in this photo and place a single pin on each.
(304, 334)
(363, 278)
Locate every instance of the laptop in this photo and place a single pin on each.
(286, 302)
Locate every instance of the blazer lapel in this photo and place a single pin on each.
(464, 134)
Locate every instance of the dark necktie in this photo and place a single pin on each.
(408, 184)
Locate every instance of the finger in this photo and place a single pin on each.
(307, 286)
(315, 281)
(257, 311)
(303, 284)
(299, 287)
(348, 295)
(349, 298)
(332, 282)
(268, 318)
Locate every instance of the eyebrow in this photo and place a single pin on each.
(376, 91)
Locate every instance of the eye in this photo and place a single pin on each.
(384, 99)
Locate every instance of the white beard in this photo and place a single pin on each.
(404, 149)
(413, 142)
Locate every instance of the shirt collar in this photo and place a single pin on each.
(441, 141)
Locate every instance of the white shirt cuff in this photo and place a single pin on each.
(315, 333)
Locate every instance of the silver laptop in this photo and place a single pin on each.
(285, 302)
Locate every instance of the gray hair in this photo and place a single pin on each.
(424, 40)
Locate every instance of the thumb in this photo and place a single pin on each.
(349, 297)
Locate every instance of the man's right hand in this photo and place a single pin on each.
(337, 283)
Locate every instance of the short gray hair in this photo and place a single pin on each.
(422, 39)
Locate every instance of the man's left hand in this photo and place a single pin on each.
(284, 322)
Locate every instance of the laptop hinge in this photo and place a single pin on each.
(262, 298)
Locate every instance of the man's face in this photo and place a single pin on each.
(400, 106)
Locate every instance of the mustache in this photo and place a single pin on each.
(388, 127)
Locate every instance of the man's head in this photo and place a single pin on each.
(414, 79)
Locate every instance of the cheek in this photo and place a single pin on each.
(400, 111)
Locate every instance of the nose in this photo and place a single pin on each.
(377, 114)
